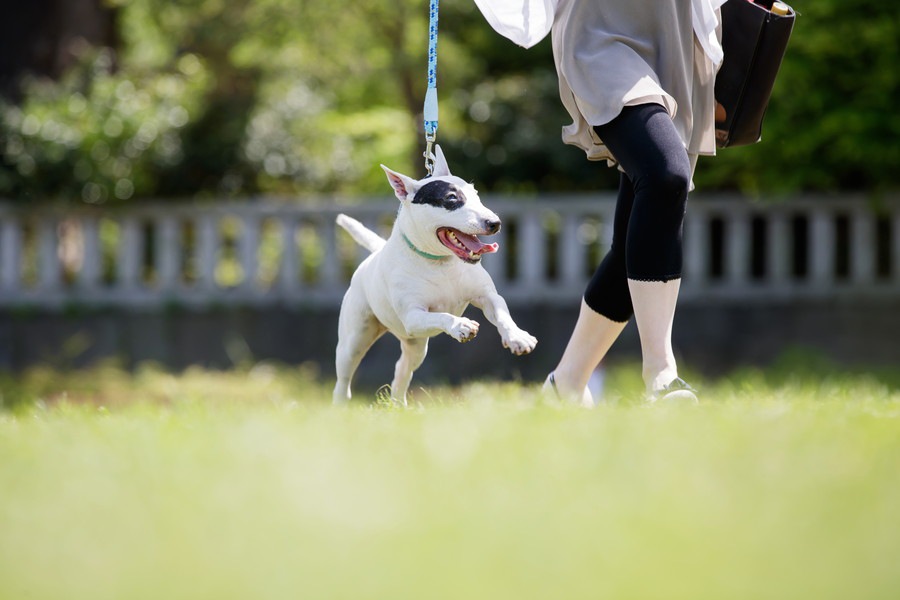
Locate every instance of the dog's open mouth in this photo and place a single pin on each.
(467, 247)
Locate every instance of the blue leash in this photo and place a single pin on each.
(430, 111)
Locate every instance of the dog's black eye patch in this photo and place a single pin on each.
(441, 194)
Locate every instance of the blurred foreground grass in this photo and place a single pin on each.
(247, 484)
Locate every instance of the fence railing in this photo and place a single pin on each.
(262, 252)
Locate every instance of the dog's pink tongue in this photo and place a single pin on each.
(489, 248)
(473, 244)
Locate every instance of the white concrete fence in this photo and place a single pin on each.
(262, 252)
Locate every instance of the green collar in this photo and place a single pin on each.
(420, 252)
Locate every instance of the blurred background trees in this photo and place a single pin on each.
(109, 101)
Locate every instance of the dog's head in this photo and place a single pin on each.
(442, 214)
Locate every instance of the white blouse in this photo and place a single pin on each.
(527, 22)
(649, 59)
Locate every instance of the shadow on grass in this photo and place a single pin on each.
(801, 365)
(110, 385)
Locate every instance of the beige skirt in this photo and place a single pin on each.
(610, 54)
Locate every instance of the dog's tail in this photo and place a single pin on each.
(364, 236)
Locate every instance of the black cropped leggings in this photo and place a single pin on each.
(650, 207)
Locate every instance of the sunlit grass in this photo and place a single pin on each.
(248, 484)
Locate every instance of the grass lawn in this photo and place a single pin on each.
(248, 485)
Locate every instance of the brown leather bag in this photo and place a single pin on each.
(754, 40)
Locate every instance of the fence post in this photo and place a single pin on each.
(822, 237)
(288, 269)
(330, 264)
(130, 244)
(167, 253)
(862, 248)
(696, 244)
(90, 275)
(248, 249)
(496, 265)
(571, 251)
(738, 248)
(531, 252)
(48, 252)
(10, 255)
(207, 251)
(778, 250)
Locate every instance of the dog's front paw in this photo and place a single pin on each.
(464, 330)
(519, 342)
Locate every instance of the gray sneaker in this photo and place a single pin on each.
(678, 390)
(552, 392)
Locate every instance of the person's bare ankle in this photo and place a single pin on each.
(563, 390)
(657, 379)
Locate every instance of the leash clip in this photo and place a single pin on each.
(429, 154)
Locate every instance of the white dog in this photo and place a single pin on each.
(418, 282)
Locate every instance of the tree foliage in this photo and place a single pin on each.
(292, 97)
(832, 123)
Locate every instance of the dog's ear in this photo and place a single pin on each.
(441, 169)
(404, 186)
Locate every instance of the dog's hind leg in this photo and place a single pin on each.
(412, 355)
(350, 351)
(358, 329)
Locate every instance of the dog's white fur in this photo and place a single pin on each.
(415, 297)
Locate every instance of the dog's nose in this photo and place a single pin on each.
(492, 226)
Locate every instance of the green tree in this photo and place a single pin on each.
(832, 123)
(295, 97)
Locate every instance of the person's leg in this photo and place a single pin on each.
(654, 306)
(644, 141)
(591, 339)
(605, 310)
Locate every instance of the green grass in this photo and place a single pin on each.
(247, 485)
